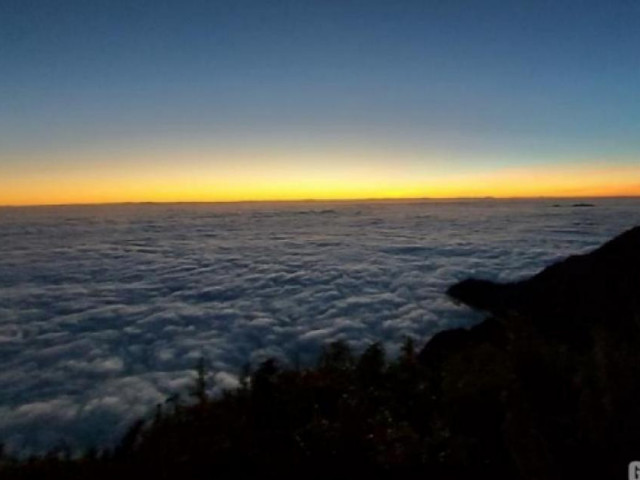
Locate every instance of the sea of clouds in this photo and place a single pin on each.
(104, 311)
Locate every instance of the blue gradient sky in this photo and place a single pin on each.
(93, 93)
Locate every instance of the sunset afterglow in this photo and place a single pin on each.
(215, 101)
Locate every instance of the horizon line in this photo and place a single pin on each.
(319, 200)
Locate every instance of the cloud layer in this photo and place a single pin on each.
(104, 311)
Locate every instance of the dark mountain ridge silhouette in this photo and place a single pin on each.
(602, 286)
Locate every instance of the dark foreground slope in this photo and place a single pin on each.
(547, 387)
(559, 359)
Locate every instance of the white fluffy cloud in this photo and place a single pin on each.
(104, 311)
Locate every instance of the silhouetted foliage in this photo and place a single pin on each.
(370, 366)
(336, 356)
(199, 389)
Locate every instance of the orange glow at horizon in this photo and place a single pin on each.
(330, 183)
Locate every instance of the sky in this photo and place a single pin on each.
(190, 100)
